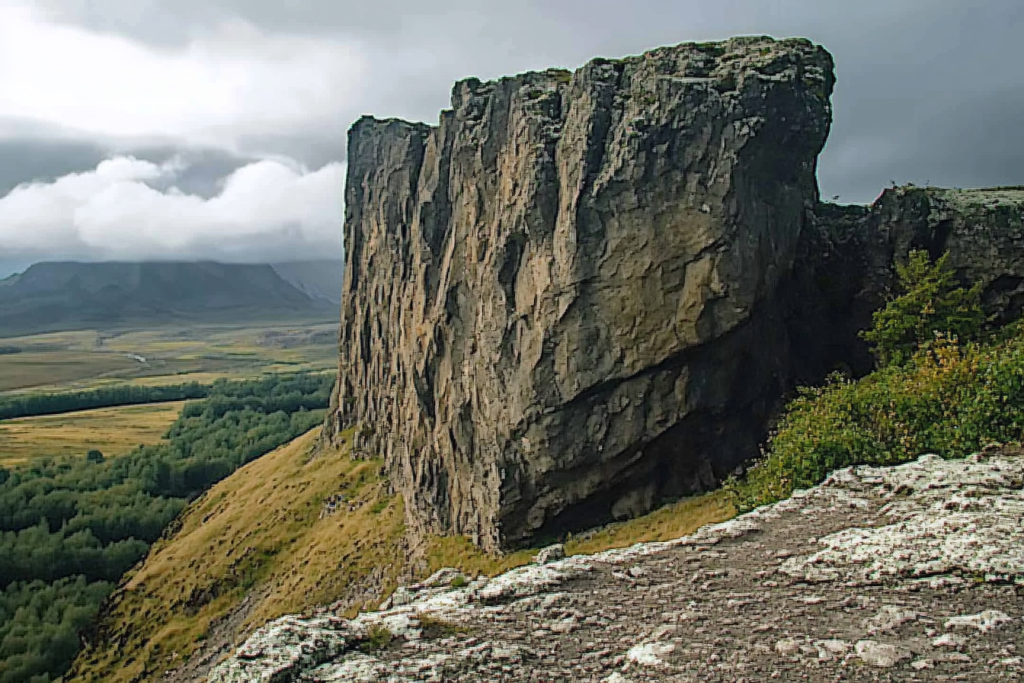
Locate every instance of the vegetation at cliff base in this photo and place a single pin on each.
(931, 302)
(70, 527)
(294, 530)
(941, 387)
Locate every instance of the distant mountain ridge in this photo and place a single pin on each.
(65, 295)
(319, 279)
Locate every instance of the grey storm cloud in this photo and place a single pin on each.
(928, 90)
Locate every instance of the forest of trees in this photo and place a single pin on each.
(70, 527)
(107, 397)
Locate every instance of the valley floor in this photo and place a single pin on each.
(62, 361)
(112, 431)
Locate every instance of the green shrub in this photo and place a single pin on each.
(378, 639)
(930, 302)
(949, 398)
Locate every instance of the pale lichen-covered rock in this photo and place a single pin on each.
(881, 654)
(726, 603)
(556, 302)
(964, 515)
(550, 554)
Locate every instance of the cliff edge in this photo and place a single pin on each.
(910, 572)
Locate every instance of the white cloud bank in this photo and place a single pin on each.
(265, 211)
(226, 85)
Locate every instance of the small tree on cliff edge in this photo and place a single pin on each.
(930, 302)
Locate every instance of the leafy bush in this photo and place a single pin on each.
(934, 391)
(930, 302)
(378, 638)
(950, 399)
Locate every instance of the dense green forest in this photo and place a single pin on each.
(70, 527)
(107, 397)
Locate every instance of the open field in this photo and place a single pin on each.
(112, 431)
(27, 369)
(85, 360)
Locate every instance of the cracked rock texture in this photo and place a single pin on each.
(863, 578)
(550, 298)
(584, 293)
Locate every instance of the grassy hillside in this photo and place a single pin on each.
(258, 532)
(108, 430)
(70, 527)
(256, 546)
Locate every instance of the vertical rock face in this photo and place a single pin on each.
(559, 304)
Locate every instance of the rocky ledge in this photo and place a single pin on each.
(908, 573)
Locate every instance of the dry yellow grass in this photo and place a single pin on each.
(113, 431)
(258, 532)
(664, 524)
(259, 535)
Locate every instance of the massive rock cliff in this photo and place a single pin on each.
(556, 302)
(584, 293)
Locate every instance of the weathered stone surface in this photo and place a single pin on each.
(720, 605)
(982, 229)
(554, 307)
(583, 293)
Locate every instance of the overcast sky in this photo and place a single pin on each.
(216, 128)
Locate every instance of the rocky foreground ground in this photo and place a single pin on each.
(908, 573)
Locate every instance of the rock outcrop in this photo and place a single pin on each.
(982, 229)
(555, 302)
(844, 267)
(913, 572)
(582, 294)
